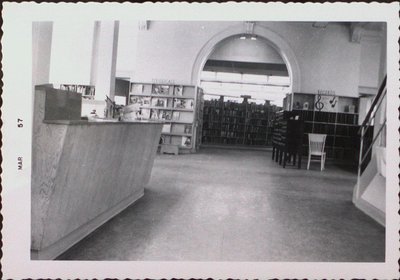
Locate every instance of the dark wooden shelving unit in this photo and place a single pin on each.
(342, 141)
(237, 123)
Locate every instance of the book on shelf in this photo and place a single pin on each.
(145, 114)
(154, 114)
(165, 115)
(189, 104)
(142, 101)
(178, 90)
(134, 100)
(166, 128)
(179, 103)
(188, 129)
(137, 89)
(175, 116)
(186, 141)
(159, 102)
(161, 89)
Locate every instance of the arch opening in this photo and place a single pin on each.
(273, 40)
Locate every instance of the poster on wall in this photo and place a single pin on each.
(326, 103)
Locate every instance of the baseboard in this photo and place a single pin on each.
(59, 247)
(371, 211)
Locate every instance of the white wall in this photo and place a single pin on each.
(167, 50)
(235, 49)
(370, 63)
(327, 58)
(127, 47)
(41, 50)
(71, 52)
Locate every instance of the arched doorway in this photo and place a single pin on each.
(238, 63)
(275, 41)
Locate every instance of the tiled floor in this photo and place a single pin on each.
(238, 205)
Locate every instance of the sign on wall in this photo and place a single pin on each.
(326, 103)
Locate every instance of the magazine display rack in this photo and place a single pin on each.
(175, 106)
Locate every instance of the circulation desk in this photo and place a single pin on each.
(83, 172)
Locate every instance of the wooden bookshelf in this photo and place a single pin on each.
(175, 105)
(335, 116)
(237, 123)
(287, 138)
(342, 141)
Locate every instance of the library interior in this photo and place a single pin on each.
(209, 141)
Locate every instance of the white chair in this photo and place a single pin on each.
(316, 146)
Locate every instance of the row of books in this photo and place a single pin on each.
(257, 129)
(165, 90)
(161, 102)
(184, 141)
(331, 129)
(176, 90)
(155, 114)
(328, 117)
(258, 122)
(256, 142)
(324, 129)
(177, 128)
(347, 119)
(234, 113)
(211, 111)
(82, 89)
(233, 120)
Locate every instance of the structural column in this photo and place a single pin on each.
(41, 50)
(104, 59)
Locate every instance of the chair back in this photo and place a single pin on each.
(316, 143)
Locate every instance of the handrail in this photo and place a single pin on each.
(373, 141)
(371, 109)
(371, 115)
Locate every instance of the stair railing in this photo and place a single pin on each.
(369, 119)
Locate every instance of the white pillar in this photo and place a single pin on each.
(42, 33)
(104, 59)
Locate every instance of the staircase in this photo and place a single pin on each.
(369, 194)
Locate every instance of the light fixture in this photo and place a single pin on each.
(253, 38)
(242, 37)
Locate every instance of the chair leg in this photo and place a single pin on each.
(299, 162)
(322, 162)
(309, 159)
(285, 158)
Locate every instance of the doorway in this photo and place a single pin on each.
(244, 81)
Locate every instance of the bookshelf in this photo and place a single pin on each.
(235, 123)
(337, 117)
(287, 138)
(174, 105)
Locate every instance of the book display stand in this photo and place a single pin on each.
(175, 106)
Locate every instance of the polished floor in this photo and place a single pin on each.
(238, 205)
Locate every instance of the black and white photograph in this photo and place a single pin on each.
(267, 155)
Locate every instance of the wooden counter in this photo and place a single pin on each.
(83, 174)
